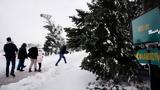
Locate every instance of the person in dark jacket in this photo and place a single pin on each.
(10, 50)
(22, 54)
(33, 53)
(61, 54)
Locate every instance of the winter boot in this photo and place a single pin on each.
(35, 69)
(12, 74)
(21, 69)
(7, 75)
(39, 70)
(56, 64)
(18, 68)
(30, 70)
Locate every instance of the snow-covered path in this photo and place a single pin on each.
(63, 77)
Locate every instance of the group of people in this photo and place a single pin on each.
(11, 50)
(35, 54)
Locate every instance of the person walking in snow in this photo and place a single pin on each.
(33, 53)
(61, 54)
(40, 58)
(22, 54)
(10, 50)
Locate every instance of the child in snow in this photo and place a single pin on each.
(40, 58)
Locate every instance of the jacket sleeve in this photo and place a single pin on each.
(4, 48)
(37, 51)
(26, 55)
(16, 49)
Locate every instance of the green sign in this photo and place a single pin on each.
(144, 55)
(146, 28)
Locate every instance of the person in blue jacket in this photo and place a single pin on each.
(61, 54)
(22, 55)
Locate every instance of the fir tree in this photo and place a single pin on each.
(54, 38)
(104, 32)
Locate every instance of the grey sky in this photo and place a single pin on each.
(20, 19)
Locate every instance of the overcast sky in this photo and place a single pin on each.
(20, 19)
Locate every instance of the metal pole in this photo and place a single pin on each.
(149, 65)
(150, 72)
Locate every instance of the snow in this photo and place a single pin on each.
(2, 62)
(63, 77)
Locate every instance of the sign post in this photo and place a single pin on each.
(146, 30)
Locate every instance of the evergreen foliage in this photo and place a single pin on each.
(104, 32)
(54, 38)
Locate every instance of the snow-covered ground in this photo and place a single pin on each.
(63, 77)
(2, 63)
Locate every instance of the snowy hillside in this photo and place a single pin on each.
(63, 77)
